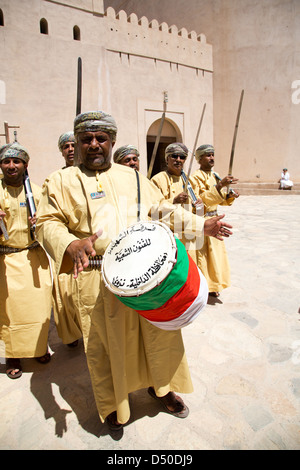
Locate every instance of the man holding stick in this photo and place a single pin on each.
(66, 320)
(171, 183)
(212, 258)
(25, 288)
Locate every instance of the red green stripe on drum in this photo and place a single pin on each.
(159, 295)
(179, 302)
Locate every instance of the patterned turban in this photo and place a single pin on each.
(176, 149)
(14, 150)
(94, 121)
(203, 150)
(64, 138)
(125, 150)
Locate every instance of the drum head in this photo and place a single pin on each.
(139, 259)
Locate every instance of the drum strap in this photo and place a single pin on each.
(138, 196)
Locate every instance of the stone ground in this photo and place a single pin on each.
(243, 351)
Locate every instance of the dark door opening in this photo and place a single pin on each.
(159, 162)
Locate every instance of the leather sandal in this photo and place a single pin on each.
(112, 422)
(183, 413)
(44, 359)
(13, 364)
(215, 294)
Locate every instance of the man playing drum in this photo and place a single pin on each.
(82, 209)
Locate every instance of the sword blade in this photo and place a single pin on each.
(78, 103)
(79, 86)
(3, 228)
(189, 187)
(235, 133)
(156, 146)
(195, 145)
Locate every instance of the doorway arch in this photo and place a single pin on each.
(170, 133)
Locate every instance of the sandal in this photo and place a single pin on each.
(44, 359)
(215, 294)
(13, 364)
(183, 413)
(112, 422)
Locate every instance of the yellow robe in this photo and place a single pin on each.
(25, 286)
(212, 258)
(124, 351)
(66, 320)
(170, 186)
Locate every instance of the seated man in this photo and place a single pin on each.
(285, 182)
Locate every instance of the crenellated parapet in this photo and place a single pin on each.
(141, 37)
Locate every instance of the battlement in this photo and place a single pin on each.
(144, 38)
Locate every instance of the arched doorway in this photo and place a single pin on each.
(170, 133)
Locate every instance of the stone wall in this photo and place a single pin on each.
(256, 47)
(129, 64)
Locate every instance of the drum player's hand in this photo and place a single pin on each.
(79, 252)
(214, 227)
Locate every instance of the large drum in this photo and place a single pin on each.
(149, 270)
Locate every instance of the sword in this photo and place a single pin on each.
(158, 136)
(78, 102)
(234, 137)
(79, 86)
(29, 200)
(189, 187)
(190, 190)
(194, 149)
(3, 228)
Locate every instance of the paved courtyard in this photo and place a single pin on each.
(243, 351)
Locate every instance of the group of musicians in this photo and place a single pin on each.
(50, 267)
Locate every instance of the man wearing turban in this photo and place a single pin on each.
(128, 155)
(285, 182)
(66, 146)
(64, 312)
(212, 258)
(82, 209)
(171, 183)
(25, 287)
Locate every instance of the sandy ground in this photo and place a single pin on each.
(243, 352)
